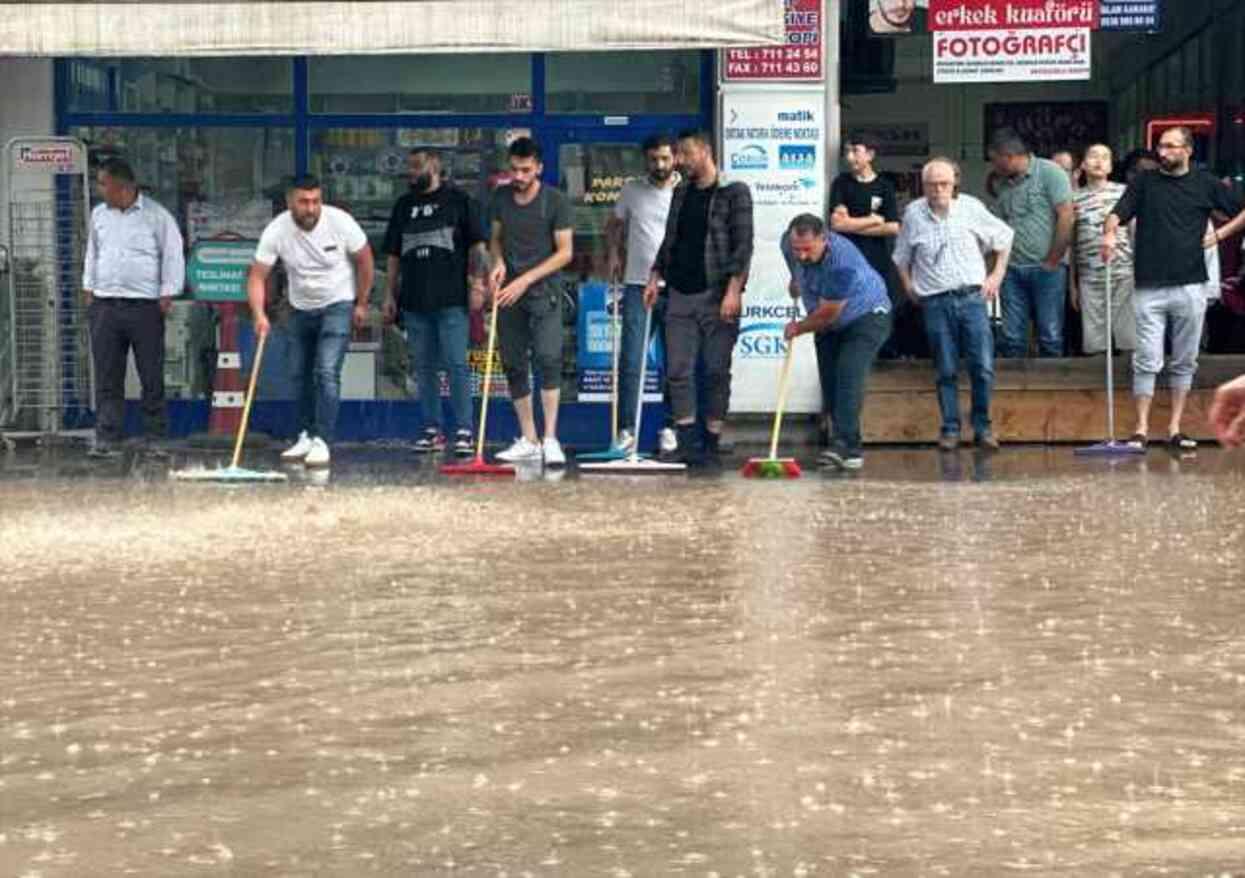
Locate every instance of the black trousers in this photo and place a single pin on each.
(117, 327)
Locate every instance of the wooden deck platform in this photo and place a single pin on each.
(1059, 400)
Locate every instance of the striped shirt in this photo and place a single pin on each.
(947, 253)
(1092, 207)
(136, 253)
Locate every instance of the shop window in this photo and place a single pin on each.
(498, 83)
(181, 85)
(214, 181)
(624, 83)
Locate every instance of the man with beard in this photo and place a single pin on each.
(532, 231)
(634, 232)
(1172, 207)
(431, 231)
(896, 17)
(329, 265)
(704, 260)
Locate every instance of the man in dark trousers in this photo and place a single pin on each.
(865, 210)
(1172, 207)
(704, 259)
(431, 231)
(134, 266)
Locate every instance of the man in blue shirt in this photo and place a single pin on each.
(849, 311)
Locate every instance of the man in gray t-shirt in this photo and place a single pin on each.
(633, 234)
(1035, 199)
(531, 241)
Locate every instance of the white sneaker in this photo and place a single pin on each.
(625, 440)
(299, 449)
(520, 449)
(319, 453)
(669, 442)
(552, 449)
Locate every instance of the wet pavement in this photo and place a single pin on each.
(945, 665)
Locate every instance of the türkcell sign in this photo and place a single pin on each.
(1012, 56)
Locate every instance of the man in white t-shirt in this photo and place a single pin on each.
(329, 265)
(634, 233)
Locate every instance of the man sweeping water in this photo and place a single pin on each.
(329, 265)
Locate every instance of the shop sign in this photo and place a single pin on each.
(605, 189)
(800, 60)
(1037, 54)
(992, 15)
(1131, 15)
(217, 270)
(594, 354)
(50, 158)
(775, 141)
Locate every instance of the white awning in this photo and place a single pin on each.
(291, 27)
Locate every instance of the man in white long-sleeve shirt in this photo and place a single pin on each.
(134, 266)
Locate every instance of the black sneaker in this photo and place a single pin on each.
(464, 444)
(431, 442)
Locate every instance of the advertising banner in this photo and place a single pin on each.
(1045, 54)
(594, 355)
(1012, 40)
(797, 61)
(217, 270)
(961, 15)
(773, 140)
(1131, 15)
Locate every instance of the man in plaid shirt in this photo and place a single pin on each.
(704, 261)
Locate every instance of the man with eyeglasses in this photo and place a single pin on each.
(1172, 207)
(940, 254)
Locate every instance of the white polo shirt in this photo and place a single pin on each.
(317, 262)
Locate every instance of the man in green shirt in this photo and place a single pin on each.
(1035, 199)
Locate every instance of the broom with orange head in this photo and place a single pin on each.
(775, 467)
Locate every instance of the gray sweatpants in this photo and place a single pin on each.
(1184, 309)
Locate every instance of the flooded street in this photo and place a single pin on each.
(951, 665)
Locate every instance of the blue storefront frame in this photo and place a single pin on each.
(580, 423)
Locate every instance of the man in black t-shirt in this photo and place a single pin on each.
(431, 231)
(1172, 207)
(864, 209)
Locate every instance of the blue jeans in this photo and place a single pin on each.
(437, 340)
(958, 324)
(1032, 291)
(632, 349)
(845, 359)
(318, 341)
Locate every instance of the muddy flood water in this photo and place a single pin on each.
(950, 665)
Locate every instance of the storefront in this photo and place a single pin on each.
(215, 140)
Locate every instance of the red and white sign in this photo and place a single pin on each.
(1011, 40)
(960, 15)
(1012, 55)
(798, 61)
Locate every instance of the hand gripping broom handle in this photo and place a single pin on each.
(246, 406)
(488, 378)
(782, 399)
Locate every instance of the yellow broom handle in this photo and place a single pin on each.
(782, 400)
(246, 406)
(488, 377)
